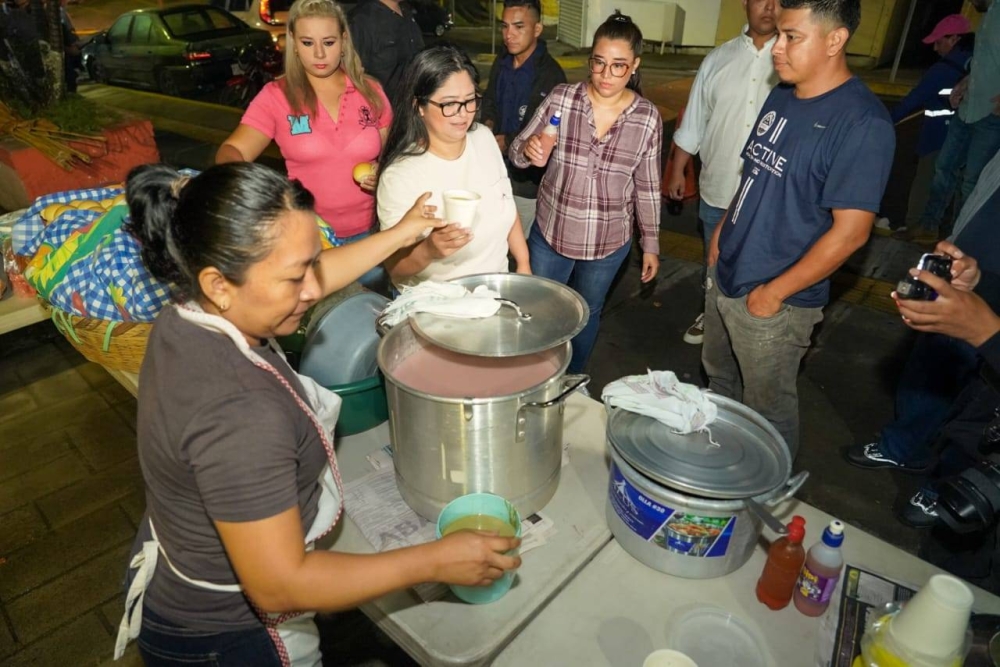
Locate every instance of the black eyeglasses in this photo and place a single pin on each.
(449, 109)
(598, 66)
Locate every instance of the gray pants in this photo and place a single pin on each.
(756, 361)
(525, 209)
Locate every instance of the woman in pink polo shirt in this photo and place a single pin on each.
(325, 115)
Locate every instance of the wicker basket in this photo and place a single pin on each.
(114, 345)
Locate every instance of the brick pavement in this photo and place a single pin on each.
(70, 501)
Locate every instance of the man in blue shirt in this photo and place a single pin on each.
(523, 74)
(814, 172)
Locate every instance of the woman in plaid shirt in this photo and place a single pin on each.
(603, 176)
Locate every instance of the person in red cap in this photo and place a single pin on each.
(973, 136)
(952, 40)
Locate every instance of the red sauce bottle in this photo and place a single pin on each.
(784, 560)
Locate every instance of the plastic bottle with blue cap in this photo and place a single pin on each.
(549, 135)
(818, 579)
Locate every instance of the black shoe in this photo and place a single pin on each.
(872, 457)
(920, 510)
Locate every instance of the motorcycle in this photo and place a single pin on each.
(254, 68)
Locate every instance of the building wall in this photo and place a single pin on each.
(881, 28)
(700, 18)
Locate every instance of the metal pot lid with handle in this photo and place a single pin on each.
(536, 314)
(751, 458)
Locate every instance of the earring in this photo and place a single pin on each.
(224, 306)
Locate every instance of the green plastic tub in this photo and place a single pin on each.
(364, 405)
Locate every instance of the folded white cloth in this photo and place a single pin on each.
(659, 394)
(446, 299)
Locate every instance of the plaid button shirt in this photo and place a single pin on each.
(594, 188)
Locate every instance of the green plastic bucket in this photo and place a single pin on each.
(364, 405)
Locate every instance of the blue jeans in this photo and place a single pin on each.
(936, 371)
(710, 217)
(376, 278)
(969, 145)
(165, 644)
(592, 278)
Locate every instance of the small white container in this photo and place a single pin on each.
(460, 207)
(668, 658)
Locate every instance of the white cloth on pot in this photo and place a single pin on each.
(445, 299)
(683, 407)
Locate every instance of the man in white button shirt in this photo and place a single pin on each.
(728, 92)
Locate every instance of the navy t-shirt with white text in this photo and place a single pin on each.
(802, 160)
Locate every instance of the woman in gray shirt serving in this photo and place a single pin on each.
(236, 449)
(603, 176)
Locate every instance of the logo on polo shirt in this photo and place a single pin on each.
(765, 123)
(299, 124)
(366, 118)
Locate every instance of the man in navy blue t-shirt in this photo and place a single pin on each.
(814, 171)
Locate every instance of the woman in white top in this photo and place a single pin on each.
(434, 144)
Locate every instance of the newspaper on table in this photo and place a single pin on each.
(863, 595)
(378, 510)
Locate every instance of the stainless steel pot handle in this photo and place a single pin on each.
(381, 328)
(521, 315)
(790, 488)
(574, 382)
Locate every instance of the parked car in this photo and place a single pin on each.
(178, 50)
(269, 15)
(432, 18)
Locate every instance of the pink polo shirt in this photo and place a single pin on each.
(322, 153)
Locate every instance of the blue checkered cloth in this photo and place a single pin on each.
(90, 287)
(31, 225)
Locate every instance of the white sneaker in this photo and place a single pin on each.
(696, 332)
(883, 223)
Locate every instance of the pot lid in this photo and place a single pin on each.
(537, 314)
(751, 457)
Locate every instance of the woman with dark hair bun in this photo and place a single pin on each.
(603, 176)
(236, 449)
(435, 144)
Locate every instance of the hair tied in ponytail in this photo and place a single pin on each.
(178, 185)
(618, 17)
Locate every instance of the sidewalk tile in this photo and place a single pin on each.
(116, 394)
(16, 402)
(112, 610)
(58, 387)
(46, 608)
(7, 644)
(82, 642)
(42, 362)
(92, 493)
(135, 506)
(36, 483)
(103, 439)
(94, 374)
(127, 412)
(34, 453)
(50, 418)
(20, 528)
(62, 550)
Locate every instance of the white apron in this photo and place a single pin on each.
(294, 634)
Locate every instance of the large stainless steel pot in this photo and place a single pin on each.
(509, 445)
